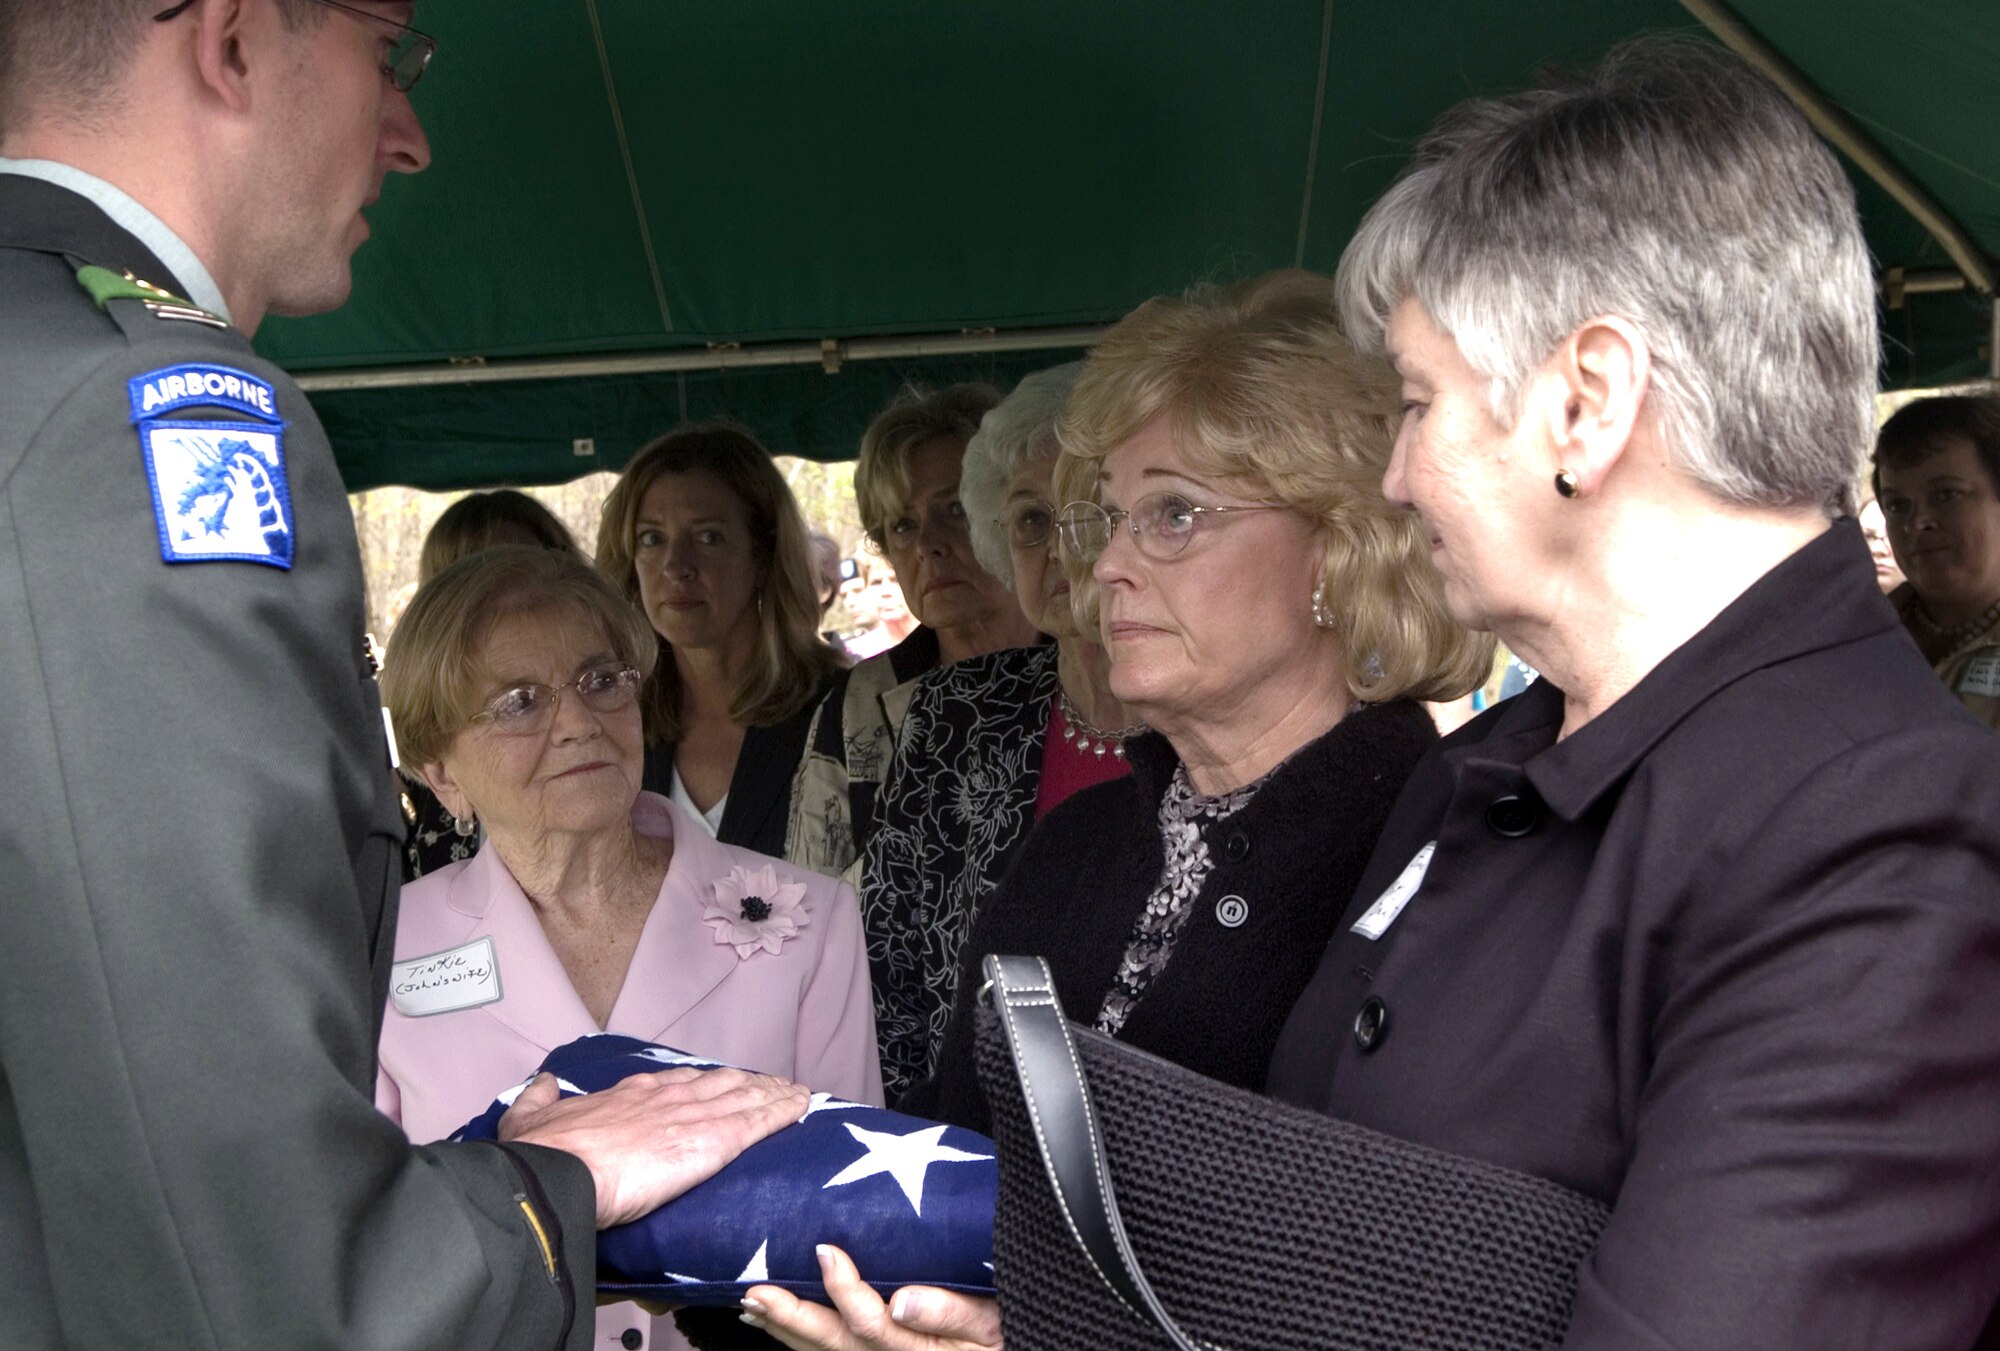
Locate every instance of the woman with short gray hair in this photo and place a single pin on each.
(1692, 924)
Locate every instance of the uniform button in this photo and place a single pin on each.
(631, 1339)
(1371, 1024)
(1231, 911)
(1512, 816)
(1236, 848)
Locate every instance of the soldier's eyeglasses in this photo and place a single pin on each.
(402, 65)
(528, 709)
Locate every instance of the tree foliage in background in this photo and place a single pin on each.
(392, 524)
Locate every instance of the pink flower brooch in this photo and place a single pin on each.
(754, 910)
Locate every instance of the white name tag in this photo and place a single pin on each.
(1982, 676)
(1391, 902)
(460, 978)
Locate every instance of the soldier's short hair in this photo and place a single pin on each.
(74, 53)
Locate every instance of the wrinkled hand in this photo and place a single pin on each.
(917, 1318)
(648, 1138)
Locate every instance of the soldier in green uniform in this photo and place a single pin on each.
(198, 834)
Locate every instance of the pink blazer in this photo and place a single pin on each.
(804, 1012)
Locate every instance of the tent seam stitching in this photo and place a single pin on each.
(1312, 143)
(631, 173)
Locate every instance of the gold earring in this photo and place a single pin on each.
(1566, 483)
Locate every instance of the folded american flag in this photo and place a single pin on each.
(911, 1201)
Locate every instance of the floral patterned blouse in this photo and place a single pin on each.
(1181, 879)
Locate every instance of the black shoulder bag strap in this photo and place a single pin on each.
(1023, 993)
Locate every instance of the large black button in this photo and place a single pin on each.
(1513, 816)
(631, 1339)
(1236, 848)
(1371, 1024)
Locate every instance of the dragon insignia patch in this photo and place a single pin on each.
(219, 488)
(219, 491)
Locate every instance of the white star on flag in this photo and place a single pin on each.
(760, 1265)
(903, 1157)
(826, 1102)
(508, 1096)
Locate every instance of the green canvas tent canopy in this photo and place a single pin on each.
(641, 211)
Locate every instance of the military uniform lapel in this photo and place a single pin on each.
(44, 218)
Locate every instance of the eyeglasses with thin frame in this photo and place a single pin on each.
(527, 709)
(1161, 525)
(404, 63)
(1028, 523)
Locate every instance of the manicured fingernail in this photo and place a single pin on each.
(754, 1320)
(902, 1305)
(751, 1306)
(824, 1252)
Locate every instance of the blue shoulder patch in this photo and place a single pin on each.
(199, 384)
(219, 491)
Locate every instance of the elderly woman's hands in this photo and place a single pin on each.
(917, 1318)
(649, 1138)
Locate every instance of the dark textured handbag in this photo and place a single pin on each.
(1238, 1221)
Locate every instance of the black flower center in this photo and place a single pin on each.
(756, 909)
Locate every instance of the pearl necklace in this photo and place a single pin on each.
(1957, 635)
(1087, 737)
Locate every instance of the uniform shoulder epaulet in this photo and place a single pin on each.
(105, 286)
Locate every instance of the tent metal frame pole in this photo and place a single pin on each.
(828, 353)
(1856, 144)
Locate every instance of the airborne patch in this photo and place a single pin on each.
(219, 491)
(176, 387)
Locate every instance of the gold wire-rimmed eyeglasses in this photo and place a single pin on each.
(1161, 525)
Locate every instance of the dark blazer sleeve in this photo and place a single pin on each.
(1824, 1074)
(198, 845)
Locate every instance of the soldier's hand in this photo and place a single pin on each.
(648, 1138)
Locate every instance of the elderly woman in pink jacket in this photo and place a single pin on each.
(512, 682)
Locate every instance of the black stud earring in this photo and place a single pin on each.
(1566, 483)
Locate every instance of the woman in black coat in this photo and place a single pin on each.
(1274, 621)
(1705, 924)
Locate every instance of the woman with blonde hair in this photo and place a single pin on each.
(706, 539)
(989, 745)
(1276, 622)
(906, 486)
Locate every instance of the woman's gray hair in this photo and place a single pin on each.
(1673, 186)
(1020, 427)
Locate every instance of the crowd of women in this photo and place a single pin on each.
(1704, 924)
